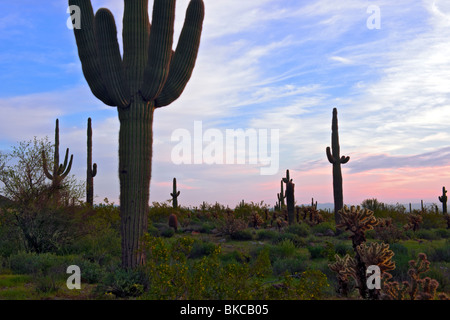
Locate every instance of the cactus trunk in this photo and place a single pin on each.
(91, 169)
(443, 199)
(135, 153)
(175, 194)
(336, 160)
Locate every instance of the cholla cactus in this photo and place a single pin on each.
(417, 288)
(357, 221)
(345, 268)
(415, 220)
(377, 254)
(256, 220)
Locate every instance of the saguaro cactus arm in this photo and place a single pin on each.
(183, 60)
(87, 51)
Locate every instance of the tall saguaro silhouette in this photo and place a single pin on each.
(336, 160)
(91, 171)
(150, 75)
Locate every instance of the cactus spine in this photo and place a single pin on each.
(59, 171)
(150, 75)
(336, 160)
(443, 199)
(175, 194)
(290, 199)
(91, 168)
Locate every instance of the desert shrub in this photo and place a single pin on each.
(201, 248)
(291, 265)
(102, 248)
(91, 272)
(313, 285)
(427, 235)
(262, 266)
(242, 235)
(234, 256)
(442, 233)
(32, 263)
(45, 284)
(433, 220)
(440, 254)
(153, 231)
(206, 227)
(294, 238)
(301, 230)
(283, 249)
(167, 232)
(124, 283)
(342, 248)
(317, 252)
(231, 224)
(266, 234)
(323, 227)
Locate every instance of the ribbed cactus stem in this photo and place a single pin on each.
(290, 197)
(91, 171)
(148, 76)
(59, 171)
(281, 195)
(175, 194)
(443, 199)
(336, 160)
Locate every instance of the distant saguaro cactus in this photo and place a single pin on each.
(91, 171)
(443, 199)
(175, 194)
(59, 171)
(290, 198)
(281, 196)
(334, 158)
(149, 75)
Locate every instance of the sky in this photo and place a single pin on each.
(269, 66)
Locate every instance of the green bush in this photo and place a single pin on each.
(201, 249)
(242, 235)
(167, 232)
(323, 227)
(294, 238)
(266, 234)
(317, 252)
(123, 283)
(292, 265)
(32, 263)
(442, 233)
(301, 230)
(427, 235)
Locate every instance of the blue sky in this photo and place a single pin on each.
(266, 64)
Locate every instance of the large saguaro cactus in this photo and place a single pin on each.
(59, 171)
(91, 168)
(290, 198)
(443, 199)
(336, 160)
(150, 75)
